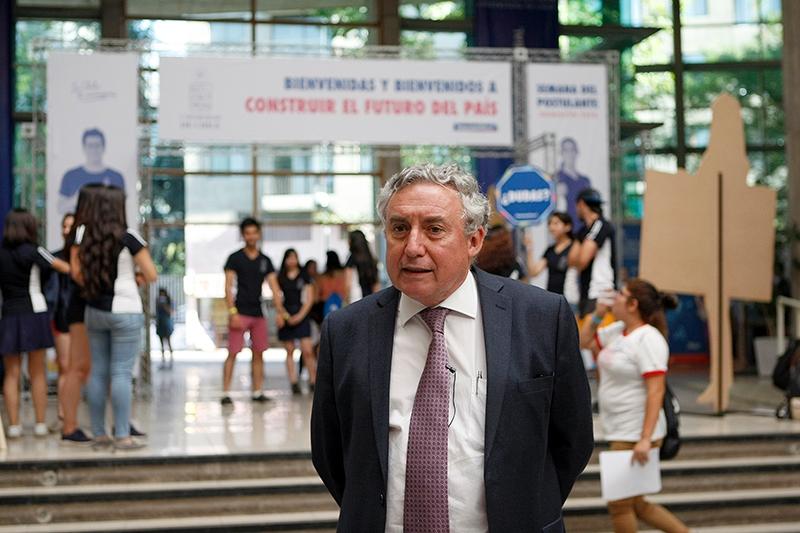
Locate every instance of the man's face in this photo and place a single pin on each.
(569, 153)
(428, 255)
(251, 236)
(93, 147)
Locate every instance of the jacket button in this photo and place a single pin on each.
(383, 499)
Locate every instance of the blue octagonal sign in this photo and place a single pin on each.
(524, 195)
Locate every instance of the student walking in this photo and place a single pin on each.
(632, 359)
(25, 323)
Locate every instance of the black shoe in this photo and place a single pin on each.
(261, 398)
(77, 437)
(296, 389)
(226, 400)
(133, 432)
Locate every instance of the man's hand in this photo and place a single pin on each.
(641, 452)
(234, 322)
(279, 320)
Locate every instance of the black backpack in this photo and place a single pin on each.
(672, 440)
(786, 375)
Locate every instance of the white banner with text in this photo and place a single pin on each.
(301, 100)
(570, 100)
(92, 128)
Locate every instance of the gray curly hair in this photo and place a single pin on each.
(476, 206)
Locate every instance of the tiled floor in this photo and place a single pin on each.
(183, 416)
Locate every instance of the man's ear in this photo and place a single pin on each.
(475, 242)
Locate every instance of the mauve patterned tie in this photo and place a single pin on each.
(425, 509)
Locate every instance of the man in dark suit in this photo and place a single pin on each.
(455, 400)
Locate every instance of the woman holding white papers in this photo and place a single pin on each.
(632, 364)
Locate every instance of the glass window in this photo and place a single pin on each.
(580, 12)
(655, 50)
(180, 9)
(217, 199)
(704, 44)
(654, 96)
(759, 93)
(448, 10)
(61, 32)
(437, 155)
(572, 46)
(235, 159)
(354, 12)
(207, 248)
(694, 8)
(168, 248)
(653, 13)
(291, 36)
(332, 199)
(29, 68)
(178, 35)
(168, 202)
(633, 199)
(662, 162)
(426, 44)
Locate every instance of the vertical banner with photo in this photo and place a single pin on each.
(570, 100)
(92, 123)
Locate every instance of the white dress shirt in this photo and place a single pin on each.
(463, 332)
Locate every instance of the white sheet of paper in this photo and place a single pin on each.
(620, 479)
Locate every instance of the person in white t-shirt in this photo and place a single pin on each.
(632, 366)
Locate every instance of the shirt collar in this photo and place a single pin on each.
(463, 301)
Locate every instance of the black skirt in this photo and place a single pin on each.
(25, 332)
(75, 309)
(300, 331)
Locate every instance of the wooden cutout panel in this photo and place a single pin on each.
(712, 235)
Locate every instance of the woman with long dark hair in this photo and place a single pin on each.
(297, 293)
(25, 322)
(632, 363)
(61, 286)
(363, 268)
(561, 278)
(105, 259)
(79, 360)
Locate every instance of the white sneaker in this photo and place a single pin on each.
(14, 432)
(41, 430)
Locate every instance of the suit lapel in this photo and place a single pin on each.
(496, 311)
(381, 342)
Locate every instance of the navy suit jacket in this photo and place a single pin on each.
(538, 407)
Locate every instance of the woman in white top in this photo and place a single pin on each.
(108, 261)
(632, 357)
